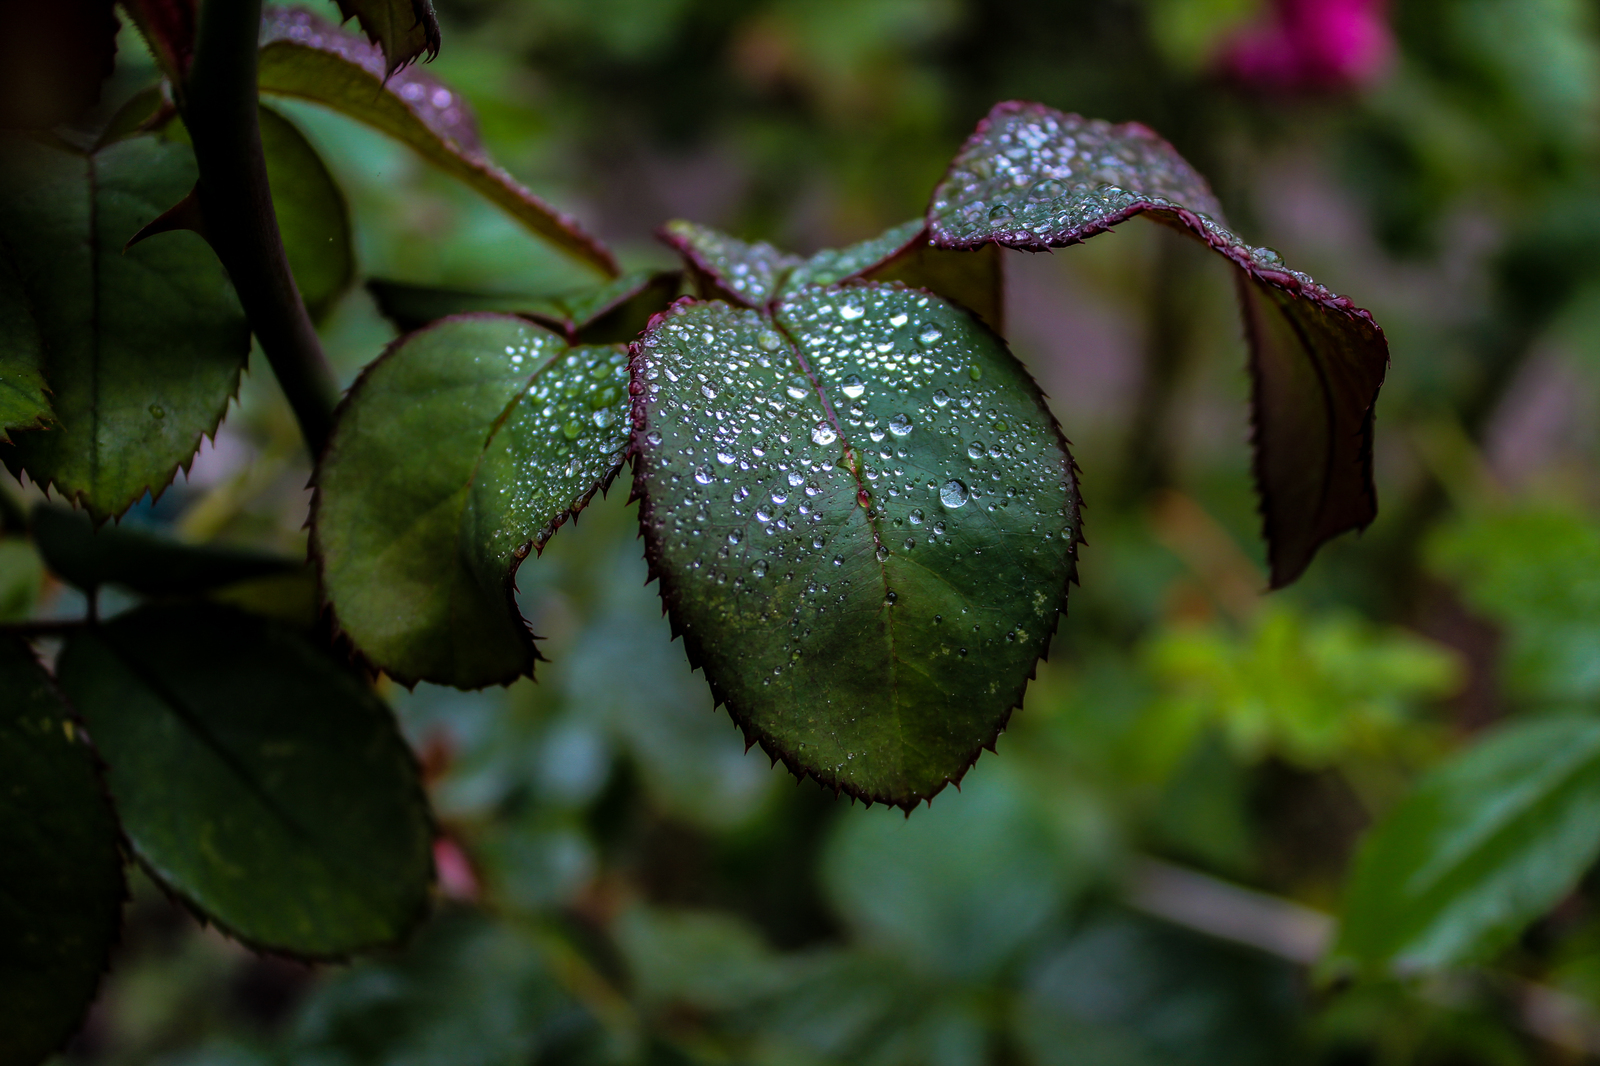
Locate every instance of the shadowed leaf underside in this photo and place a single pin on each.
(864, 521)
(1034, 178)
(459, 451)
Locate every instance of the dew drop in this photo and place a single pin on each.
(798, 388)
(916, 517)
(900, 425)
(853, 386)
(571, 430)
(953, 494)
(975, 372)
(999, 213)
(703, 475)
(769, 341)
(929, 337)
(851, 312)
(976, 450)
(796, 478)
(940, 398)
(604, 417)
(158, 411)
(653, 439)
(824, 434)
(881, 553)
(735, 536)
(1047, 189)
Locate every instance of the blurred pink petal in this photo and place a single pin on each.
(456, 879)
(1313, 45)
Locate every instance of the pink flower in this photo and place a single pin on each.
(1311, 46)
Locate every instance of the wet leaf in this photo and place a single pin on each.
(834, 265)
(610, 313)
(419, 545)
(256, 777)
(141, 559)
(403, 29)
(142, 350)
(864, 520)
(59, 861)
(1034, 178)
(53, 59)
(971, 277)
(303, 56)
(1486, 843)
(727, 268)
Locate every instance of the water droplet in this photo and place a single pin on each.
(916, 517)
(1047, 189)
(769, 341)
(976, 450)
(1267, 256)
(953, 494)
(940, 398)
(898, 320)
(703, 475)
(780, 498)
(881, 553)
(763, 516)
(838, 560)
(824, 434)
(798, 388)
(795, 478)
(999, 213)
(910, 543)
(853, 386)
(975, 372)
(735, 536)
(760, 569)
(158, 411)
(891, 597)
(604, 417)
(929, 337)
(571, 430)
(709, 391)
(900, 425)
(851, 312)
(938, 529)
(653, 439)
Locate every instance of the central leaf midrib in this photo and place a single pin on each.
(877, 540)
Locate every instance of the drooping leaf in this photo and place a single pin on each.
(53, 58)
(23, 399)
(1484, 845)
(727, 268)
(610, 313)
(313, 217)
(404, 29)
(257, 778)
(419, 545)
(864, 519)
(1032, 177)
(140, 559)
(59, 862)
(303, 56)
(142, 349)
(834, 265)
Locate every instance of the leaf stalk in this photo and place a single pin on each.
(218, 102)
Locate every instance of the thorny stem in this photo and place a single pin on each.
(218, 103)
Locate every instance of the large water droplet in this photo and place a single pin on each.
(929, 337)
(900, 425)
(571, 430)
(703, 475)
(940, 398)
(798, 388)
(824, 434)
(851, 312)
(769, 341)
(976, 450)
(916, 517)
(853, 386)
(735, 536)
(604, 417)
(999, 213)
(1047, 189)
(953, 494)
(796, 478)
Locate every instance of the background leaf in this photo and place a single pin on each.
(312, 215)
(142, 560)
(1484, 845)
(864, 519)
(23, 400)
(1032, 177)
(611, 313)
(59, 862)
(404, 29)
(304, 56)
(142, 349)
(257, 778)
(53, 59)
(419, 546)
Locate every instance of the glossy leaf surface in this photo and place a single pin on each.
(456, 454)
(864, 519)
(1484, 845)
(140, 559)
(142, 349)
(403, 29)
(256, 777)
(1032, 177)
(611, 313)
(727, 268)
(59, 862)
(305, 57)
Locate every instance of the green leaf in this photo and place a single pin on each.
(303, 56)
(21, 575)
(59, 862)
(1485, 844)
(23, 400)
(142, 349)
(971, 277)
(611, 313)
(834, 265)
(140, 559)
(256, 777)
(404, 29)
(727, 268)
(1034, 178)
(864, 519)
(419, 545)
(312, 215)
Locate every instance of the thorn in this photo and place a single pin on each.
(185, 214)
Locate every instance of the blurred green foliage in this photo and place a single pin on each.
(628, 885)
